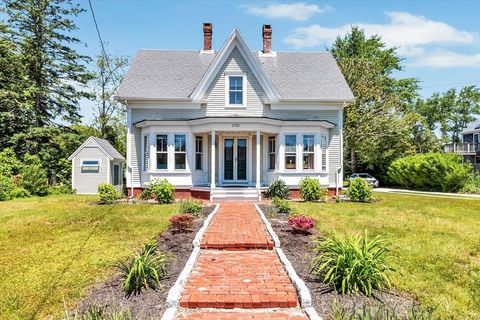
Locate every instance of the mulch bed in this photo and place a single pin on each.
(149, 304)
(298, 249)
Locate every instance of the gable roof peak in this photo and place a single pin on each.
(235, 40)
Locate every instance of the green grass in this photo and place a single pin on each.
(53, 249)
(437, 244)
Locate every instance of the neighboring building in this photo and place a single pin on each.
(208, 120)
(96, 161)
(469, 148)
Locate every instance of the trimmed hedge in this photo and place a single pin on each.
(430, 172)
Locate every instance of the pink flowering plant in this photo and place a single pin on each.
(301, 224)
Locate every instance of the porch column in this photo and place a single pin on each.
(212, 161)
(257, 163)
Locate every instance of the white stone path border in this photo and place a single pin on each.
(302, 290)
(173, 297)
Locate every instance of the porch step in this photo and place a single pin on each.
(234, 194)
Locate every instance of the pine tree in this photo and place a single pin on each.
(42, 30)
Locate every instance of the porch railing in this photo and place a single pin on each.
(462, 148)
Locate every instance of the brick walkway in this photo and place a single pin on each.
(243, 274)
(237, 226)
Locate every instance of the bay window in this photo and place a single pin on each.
(271, 153)
(308, 151)
(162, 151)
(180, 151)
(290, 151)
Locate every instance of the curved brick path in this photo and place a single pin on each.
(237, 269)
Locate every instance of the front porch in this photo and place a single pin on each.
(220, 155)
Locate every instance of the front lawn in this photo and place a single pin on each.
(53, 249)
(436, 241)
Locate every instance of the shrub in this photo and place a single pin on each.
(192, 206)
(182, 222)
(279, 189)
(144, 270)
(301, 224)
(33, 176)
(60, 188)
(107, 193)
(6, 187)
(359, 190)
(282, 205)
(19, 192)
(352, 264)
(431, 172)
(310, 189)
(163, 191)
(145, 194)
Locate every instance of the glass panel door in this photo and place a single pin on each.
(241, 159)
(228, 159)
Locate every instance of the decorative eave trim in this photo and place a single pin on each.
(235, 39)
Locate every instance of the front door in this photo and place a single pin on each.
(235, 160)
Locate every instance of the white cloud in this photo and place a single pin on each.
(447, 59)
(299, 11)
(407, 31)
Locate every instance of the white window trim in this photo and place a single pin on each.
(175, 152)
(315, 142)
(155, 169)
(90, 159)
(227, 90)
(275, 152)
(99, 161)
(285, 134)
(195, 152)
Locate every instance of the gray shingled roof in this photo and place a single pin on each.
(173, 74)
(109, 149)
(474, 126)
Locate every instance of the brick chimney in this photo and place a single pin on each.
(207, 36)
(267, 38)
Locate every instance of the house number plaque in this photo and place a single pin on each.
(235, 125)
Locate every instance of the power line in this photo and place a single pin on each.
(100, 37)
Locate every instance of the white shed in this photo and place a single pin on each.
(96, 161)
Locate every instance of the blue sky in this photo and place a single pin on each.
(440, 40)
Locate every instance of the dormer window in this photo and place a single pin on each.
(236, 90)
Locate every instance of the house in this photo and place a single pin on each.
(96, 161)
(469, 147)
(229, 122)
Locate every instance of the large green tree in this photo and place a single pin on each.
(42, 29)
(379, 126)
(16, 110)
(450, 111)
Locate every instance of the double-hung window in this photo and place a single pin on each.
(290, 151)
(145, 153)
(235, 90)
(162, 151)
(308, 151)
(199, 153)
(180, 151)
(323, 144)
(271, 153)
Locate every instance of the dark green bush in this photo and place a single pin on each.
(430, 172)
(144, 270)
(107, 193)
(359, 190)
(310, 189)
(33, 176)
(282, 205)
(352, 264)
(191, 206)
(19, 192)
(279, 189)
(9, 163)
(6, 187)
(163, 191)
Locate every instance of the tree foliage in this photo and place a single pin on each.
(380, 125)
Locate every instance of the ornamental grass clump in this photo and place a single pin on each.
(354, 264)
(279, 189)
(282, 205)
(301, 224)
(144, 270)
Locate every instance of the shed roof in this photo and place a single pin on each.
(103, 145)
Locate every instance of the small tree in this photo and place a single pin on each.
(33, 177)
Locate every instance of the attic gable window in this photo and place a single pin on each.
(236, 90)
